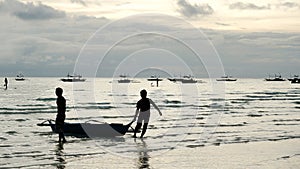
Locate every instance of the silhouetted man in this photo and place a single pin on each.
(61, 114)
(5, 83)
(143, 111)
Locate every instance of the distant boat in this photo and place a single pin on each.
(73, 78)
(188, 79)
(296, 79)
(184, 79)
(227, 78)
(124, 79)
(191, 80)
(154, 78)
(175, 79)
(20, 77)
(277, 78)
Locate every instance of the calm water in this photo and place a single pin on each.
(194, 117)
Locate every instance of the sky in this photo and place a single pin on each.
(249, 38)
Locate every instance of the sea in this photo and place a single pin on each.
(249, 123)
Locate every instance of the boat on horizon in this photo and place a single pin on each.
(20, 77)
(154, 78)
(277, 78)
(295, 79)
(91, 129)
(188, 79)
(73, 78)
(124, 79)
(227, 79)
(183, 79)
(191, 80)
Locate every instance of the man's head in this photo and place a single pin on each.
(143, 93)
(59, 91)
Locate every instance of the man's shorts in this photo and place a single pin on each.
(144, 116)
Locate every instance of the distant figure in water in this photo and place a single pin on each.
(61, 114)
(143, 111)
(5, 83)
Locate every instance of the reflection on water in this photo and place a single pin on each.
(60, 157)
(143, 156)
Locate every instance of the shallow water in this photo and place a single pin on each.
(195, 117)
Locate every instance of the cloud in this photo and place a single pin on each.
(51, 48)
(30, 11)
(47, 49)
(222, 24)
(289, 5)
(248, 6)
(189, 10)
(79, 2)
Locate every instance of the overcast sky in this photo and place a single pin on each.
(253, 38)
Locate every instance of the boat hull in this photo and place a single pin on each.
(188, 81)
(227, 80)
(91, 129)
(72, 80)
(295, 81)
(275, 80)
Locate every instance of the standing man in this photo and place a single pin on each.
(5, 83)
(61, 114)
(143, 111)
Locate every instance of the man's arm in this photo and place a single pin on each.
(136, 113)
(155, 106)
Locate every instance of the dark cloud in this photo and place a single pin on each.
(81, 2)
(248, 6)
(189, 10)
(30, 11)
(289, 5)
(222, 24)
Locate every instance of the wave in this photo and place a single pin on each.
(117, 95)
(258, 96)
(172, 101)
(129, 103)
(286, 124)
(173, 106)
(25, 112)
(99, 103)
(21, 120)
(11, 132)
(283, 120)
(46, 99)
(254, 115)
(27, 109)
(94, 107)
(195, 145)
(30, 105)
(271, 93)
(233, 125)
(2, 138)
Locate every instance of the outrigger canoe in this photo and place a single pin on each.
(91, 129)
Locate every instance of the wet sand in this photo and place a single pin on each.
(266, 154)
